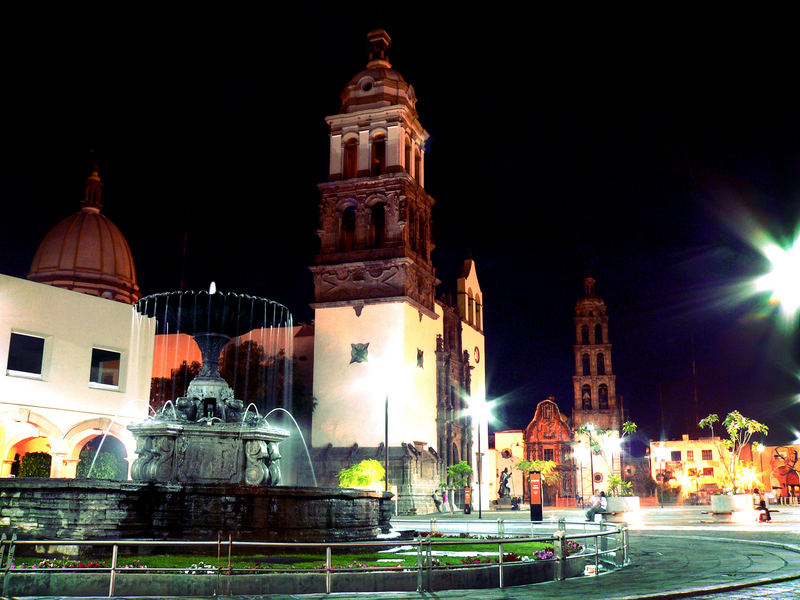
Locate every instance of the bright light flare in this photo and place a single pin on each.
(782, 281)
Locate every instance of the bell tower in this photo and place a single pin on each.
(594, 380)
(374, 215)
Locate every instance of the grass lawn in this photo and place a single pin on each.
(451, 552)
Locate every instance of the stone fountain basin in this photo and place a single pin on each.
(85, 509)
(202, 453)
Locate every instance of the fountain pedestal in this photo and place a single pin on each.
(204, 453)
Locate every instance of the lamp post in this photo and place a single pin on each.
(589, 430)
(479, 410)
(386, 445)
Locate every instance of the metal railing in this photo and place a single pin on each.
(606, 539)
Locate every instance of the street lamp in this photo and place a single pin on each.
(479, 410)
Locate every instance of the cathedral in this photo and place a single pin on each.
(395, 366)
(586, 447)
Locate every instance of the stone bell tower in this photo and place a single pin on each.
(594, 380)
(376, 320)
(375, 216)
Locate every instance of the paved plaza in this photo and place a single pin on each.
(676, 553)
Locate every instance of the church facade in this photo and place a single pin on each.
(392, 362)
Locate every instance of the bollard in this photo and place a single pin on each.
(500, 562)
(560, 551)
(562, 524)
(113, 570)
(327, 569)
(501, 528)
(419, 565)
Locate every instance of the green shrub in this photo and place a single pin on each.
(35, 464)
(105, 467)
(364, 474)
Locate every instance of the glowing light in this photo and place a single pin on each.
(781, 281)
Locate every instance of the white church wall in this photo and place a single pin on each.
(62, 400)
(351, 396)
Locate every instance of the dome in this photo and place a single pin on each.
(379, 84)
(87, 253)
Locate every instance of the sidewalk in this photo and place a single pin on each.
(674, 555)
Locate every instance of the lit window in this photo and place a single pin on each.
(707, 455)
(675, 455)
(690, 455)
(708, 471)
(25, 355)
(548, 454)
(105, 369)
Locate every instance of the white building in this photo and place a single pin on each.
(75, 359)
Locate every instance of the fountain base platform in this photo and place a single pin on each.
(87, 509)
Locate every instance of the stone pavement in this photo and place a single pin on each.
(675, 553)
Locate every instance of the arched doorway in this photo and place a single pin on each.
(102, 459)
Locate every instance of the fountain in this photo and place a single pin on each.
(205, 435)
(205, 466)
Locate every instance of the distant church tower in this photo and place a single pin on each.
(594, 380)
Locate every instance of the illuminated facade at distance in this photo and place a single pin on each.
(380, 331)
(75, 360)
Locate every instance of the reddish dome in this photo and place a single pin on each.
(379, 84)
(87, 253)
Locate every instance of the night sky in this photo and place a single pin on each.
(644, 156)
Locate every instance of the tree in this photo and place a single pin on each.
(174, 386)
(367, 473)
(459, 473)
(547, 468)
(106, 465)
(740, 430)
(595, 435)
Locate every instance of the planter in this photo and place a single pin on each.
(732, 507)
(625, 507)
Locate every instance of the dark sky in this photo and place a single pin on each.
(558, 148)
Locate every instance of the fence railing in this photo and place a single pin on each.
(605, 544)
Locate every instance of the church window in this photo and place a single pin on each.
(601, 364)
(470, 307)
(585, 335)
(675, 455)
(602, 394)
(25, 355)
(598, 334)
(548, 454)
(420, 355)
(347, 229)
(104, 371)
(478, 312)
(706, 455)
(377, 225)
(407, 156)
(350, 164)
(417, 164)
(422, 233)
(378, 155)
(586, 395)
(587, 370)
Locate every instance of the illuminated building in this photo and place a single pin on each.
(75, 360)
(380, 330)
